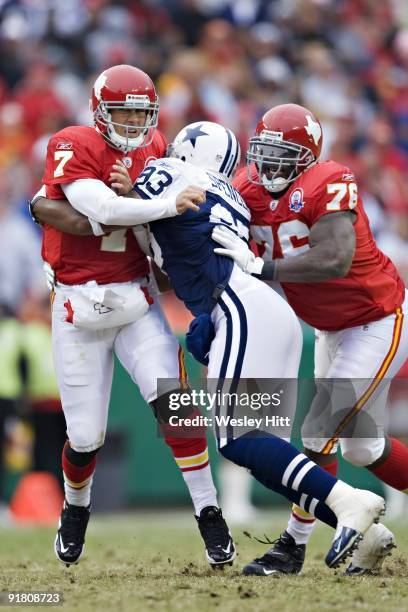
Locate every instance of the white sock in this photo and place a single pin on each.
(341, 500)
(78, 497)
(236, 485)
(201, 487)
(300, 525)
(339, 497)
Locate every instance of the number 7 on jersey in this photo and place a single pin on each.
(62, 157)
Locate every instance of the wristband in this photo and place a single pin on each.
(96, 227)
(268, 271)
(41, 193)
(31, 209)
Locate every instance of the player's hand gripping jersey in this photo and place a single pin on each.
(79, 152)
(182, 245)
(372, 288)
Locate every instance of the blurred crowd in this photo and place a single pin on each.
(221, 60)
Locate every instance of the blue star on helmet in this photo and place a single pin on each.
(193, 133)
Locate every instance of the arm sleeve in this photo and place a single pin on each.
(97, 201)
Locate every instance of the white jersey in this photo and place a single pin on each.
(182, 245)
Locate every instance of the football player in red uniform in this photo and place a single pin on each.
(272, 461)
(102, 304)
(314, 238)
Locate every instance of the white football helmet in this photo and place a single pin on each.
(209, 146)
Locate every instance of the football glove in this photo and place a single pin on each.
(237, 249)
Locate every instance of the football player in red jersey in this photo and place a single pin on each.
(314, 238)
(272, 461)
(102, 305)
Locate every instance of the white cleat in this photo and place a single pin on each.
(363, 508)
(377, 544)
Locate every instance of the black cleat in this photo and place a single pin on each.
(219, 545)
(285, 557)
(69, 541)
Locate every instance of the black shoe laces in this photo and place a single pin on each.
(268, 556)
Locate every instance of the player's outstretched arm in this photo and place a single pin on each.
(189, 198)
(332, 246)
(97, 201)
(332, 242)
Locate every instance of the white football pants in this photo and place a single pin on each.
(258, 337)
(366, 357)
(84, 360)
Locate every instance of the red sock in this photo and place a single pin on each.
(76, 475)
(394, 470)
(188, 445)
(189, 453)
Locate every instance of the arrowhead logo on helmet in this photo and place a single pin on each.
(287, 140)
(125, 88)
(99, 84)
(313, 129)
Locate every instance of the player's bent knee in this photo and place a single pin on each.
(78, 458)
(172, 404)
(85, 444)
(314, 445)
(85, 437)
(179, 420)
(362, 452)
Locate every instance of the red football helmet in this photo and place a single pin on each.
(125, 87)
(287, 140)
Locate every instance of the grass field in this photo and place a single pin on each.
(156, 562)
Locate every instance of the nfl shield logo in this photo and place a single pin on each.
(273, 204)
(127, 161)
(296, 200)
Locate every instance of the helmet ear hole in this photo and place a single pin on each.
(183, 158)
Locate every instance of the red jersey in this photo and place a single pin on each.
(80, 152)
(372, 288)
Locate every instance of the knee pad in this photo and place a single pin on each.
(164, 406)
(79, 459)
(317, 445)
(179, 435)
(362, 451)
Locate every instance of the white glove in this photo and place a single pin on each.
(49, 275)
(237, 249)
